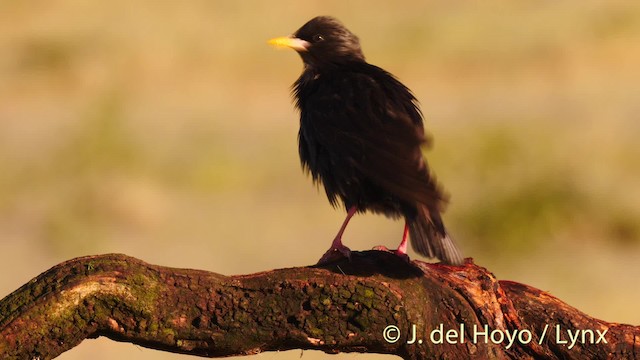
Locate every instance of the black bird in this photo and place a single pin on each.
(360, 135)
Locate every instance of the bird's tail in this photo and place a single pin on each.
(429, 237)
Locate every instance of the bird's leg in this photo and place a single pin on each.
(401, 251)
(336, 245)
(402, 248)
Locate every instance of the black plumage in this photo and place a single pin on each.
(361, 134)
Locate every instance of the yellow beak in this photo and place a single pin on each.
(290, 42)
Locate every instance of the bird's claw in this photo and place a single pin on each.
(398, 253)
(381, 248)
(334, 254)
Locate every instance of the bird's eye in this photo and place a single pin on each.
(318, 38)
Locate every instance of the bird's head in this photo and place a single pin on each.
(323, 41)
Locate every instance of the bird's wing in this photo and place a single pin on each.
(370, 121)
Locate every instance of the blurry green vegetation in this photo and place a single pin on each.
(521, 195)
(521, 187)
(85, 168)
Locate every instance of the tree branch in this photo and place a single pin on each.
(347, 306)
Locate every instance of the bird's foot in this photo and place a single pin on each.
(335, 253)
(402, 255)
(399, 253)
(381, 248)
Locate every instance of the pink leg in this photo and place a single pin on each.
(401, 251)
(402, 248)
(336, 245)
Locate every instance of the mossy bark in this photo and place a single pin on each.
(342, 307)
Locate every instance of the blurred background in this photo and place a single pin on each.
(165, 130)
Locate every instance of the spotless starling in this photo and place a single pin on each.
(361, 135)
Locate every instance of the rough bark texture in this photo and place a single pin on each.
(341, 307)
